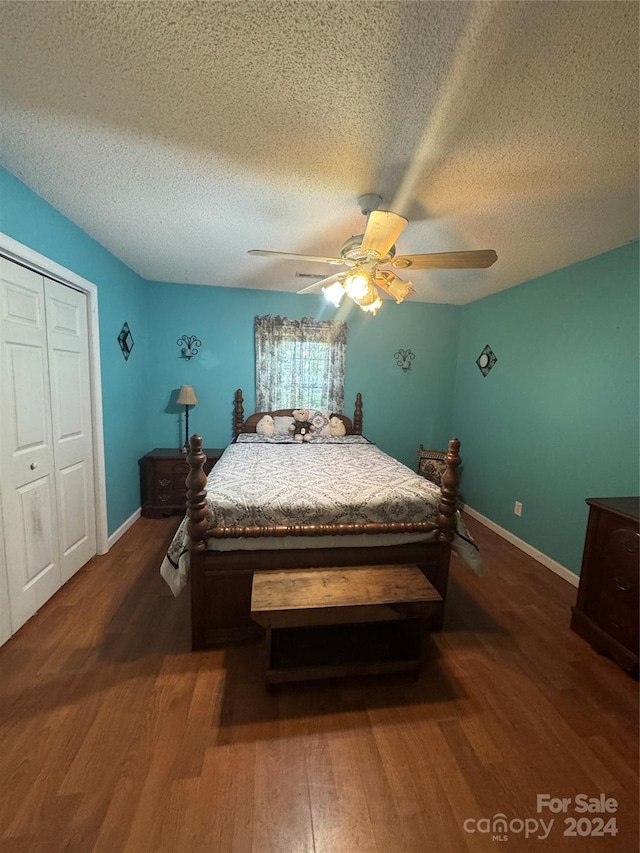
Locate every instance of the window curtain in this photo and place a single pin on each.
(299, 363)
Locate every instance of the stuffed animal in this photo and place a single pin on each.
(336, 426)
(301, 429)
(265, 426)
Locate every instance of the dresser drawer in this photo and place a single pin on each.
(619, 622)
(620, 584)
(618, 600)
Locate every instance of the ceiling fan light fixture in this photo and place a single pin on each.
(363, 255)
(370, 300)
(372, 307)
(394, 286)
(362, 291)
(358, 285)
(400, 295)
(334, 293)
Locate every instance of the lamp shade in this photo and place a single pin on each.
(187, 396)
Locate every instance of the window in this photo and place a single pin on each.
(299, 363)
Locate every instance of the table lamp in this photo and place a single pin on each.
(186, 397)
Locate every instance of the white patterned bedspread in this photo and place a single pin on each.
(340, 481)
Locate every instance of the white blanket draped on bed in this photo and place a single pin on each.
(260, 482)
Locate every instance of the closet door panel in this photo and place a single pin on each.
(34, 530)
(26, 451)
(27, 375)
(76, 527)
(72, 429)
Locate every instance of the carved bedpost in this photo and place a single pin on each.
(196, 496)
(357, 415)
(238, 413)
(449, 493)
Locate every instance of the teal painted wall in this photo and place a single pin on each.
(556, 420)
(223, 319)
(558, 414)
(122, 296)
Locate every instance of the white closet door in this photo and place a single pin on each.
(71, 421)
(5, 617)
(27, 488)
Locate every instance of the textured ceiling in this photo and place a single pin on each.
(181, 134)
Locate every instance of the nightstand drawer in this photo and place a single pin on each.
(163, 475)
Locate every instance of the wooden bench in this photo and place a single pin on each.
(354, 620)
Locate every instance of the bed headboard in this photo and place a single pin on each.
(353, 427)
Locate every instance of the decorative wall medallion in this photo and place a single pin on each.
(125, 339)
(486, 360)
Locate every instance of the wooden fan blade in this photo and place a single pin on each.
(480, 259)
(383, 229)
(317, 286)
(292, 257)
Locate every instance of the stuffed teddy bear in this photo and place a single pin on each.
(336, 426)
(301, 429)
(265, 426)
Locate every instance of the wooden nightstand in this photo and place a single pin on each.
(431, 464)
(162, 479)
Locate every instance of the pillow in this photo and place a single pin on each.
(256, 438)
(336, 426)
(281, 425)
(320, 421)
(265, 425)
(340, 439)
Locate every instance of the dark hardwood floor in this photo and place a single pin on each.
(114, 736)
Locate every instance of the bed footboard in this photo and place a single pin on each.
(221, 583)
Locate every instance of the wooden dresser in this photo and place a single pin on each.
(162, 480)
(606, 612)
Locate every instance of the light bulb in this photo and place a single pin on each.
(357, 285)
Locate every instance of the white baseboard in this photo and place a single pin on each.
(123, 528)
(562, 571)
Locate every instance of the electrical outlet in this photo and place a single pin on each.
(518, 508)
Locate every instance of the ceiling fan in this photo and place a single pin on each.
(365, 254)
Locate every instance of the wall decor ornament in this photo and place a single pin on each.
(125, 339)
(190, 345)
(404, 357)
(486, 360)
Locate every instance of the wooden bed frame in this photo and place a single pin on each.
(220, 581)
